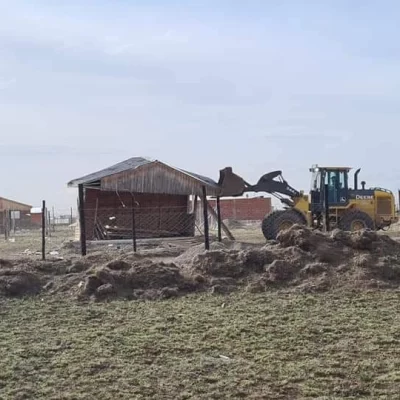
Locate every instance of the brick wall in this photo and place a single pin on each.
(244, 209)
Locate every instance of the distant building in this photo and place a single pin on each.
(36, 216)
(13, 214)
(244, 208)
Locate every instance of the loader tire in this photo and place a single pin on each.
(279, 220)
(354, 220)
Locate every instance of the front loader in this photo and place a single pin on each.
(349, 208)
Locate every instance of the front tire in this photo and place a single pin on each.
(355, 220)
(280, 220)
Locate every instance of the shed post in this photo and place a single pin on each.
(206, 228)
(219, 219)
(43, 230)
(82, 219)
(133, 224)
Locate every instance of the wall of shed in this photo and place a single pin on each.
(156, 178)
(157, 215)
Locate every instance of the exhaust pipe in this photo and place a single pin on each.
(363, 185)
(356, 179)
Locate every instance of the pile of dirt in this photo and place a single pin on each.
(147, 280)
(192, 252)
(17, 282)
(308, 260)
(301, 259)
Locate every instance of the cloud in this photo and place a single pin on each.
(256, 87)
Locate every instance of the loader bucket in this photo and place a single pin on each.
(230, 183)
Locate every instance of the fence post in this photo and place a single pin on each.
(206, 227)
(82, 219)
(133, 224)
(54, 219)
(44, 230)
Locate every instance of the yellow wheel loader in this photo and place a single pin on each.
(330, 203)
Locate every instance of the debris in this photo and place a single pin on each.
(300, 260)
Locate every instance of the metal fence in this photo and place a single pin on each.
(23, 234)
(34, 232)
(144, 222)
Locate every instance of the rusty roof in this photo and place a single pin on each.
(135, 163)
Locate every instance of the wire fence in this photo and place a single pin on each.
(38, 233)
(27, 231)
(144, 222)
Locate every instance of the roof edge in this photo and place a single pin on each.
(16, 202)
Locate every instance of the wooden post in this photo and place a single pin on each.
(82, 219)
(133, 225)
(54, 219)
(206, 227)
(72, 217)
(326, 208)
(219, 219)
(44, 230)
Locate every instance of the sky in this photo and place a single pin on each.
(201, 85)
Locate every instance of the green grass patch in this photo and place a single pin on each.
(273, 346)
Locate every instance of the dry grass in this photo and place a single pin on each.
(276, 346)
(30, 242)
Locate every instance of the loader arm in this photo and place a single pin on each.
(272, 182)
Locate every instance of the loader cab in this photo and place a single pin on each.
(336, 179)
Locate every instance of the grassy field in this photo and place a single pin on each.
(272, 346)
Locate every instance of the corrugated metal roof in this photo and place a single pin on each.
(132, 164)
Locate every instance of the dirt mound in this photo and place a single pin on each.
(192, 252)
(138, 280)
(17, 282)
(231, 263)
(306, 260)
(300, 259)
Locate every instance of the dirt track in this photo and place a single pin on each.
(301, 260)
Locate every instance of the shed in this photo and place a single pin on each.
(161, 195)
(13, 213)
(36, 216)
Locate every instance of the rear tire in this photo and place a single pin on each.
(354, 220)
(280, 220)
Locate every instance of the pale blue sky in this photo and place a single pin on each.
(257, 85)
